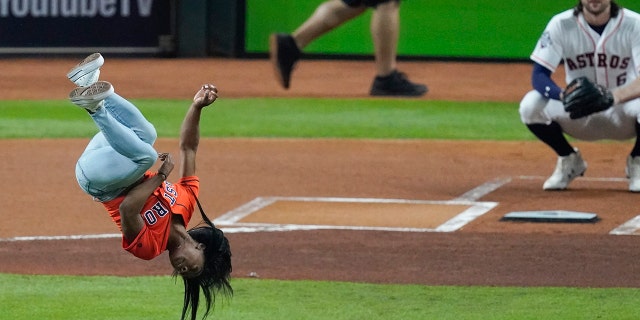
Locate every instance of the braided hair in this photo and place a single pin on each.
(216, 272)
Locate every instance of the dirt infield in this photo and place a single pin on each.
(486, 251)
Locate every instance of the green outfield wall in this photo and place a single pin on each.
(429, 29)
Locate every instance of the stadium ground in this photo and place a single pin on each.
(261, 190)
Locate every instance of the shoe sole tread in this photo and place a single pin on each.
(88, 65)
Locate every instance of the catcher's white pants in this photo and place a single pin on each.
(615, 123)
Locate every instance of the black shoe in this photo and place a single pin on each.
(397, 84)
(284, 53)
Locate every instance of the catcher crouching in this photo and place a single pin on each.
(599, 43)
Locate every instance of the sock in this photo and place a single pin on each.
(553, 136)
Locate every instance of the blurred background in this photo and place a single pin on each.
(435, 29)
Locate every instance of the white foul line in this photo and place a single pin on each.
(71, 237)
(118, 235)
(244, 210)
(483, 189)
(600, 179)
(627, 228)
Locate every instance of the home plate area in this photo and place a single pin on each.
(313, 213)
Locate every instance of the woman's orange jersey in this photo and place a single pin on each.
(167, 200)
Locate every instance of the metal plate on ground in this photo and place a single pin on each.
(551, 216)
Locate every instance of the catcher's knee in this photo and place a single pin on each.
(532, 108)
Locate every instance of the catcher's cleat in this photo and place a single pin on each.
(87, 71)
(283, 53)
(567, 169)
(397, 84)
(92, 97)
(633, 173)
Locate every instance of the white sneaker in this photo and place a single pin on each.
(92, 97)
(87, 71)
(567, 169)
(633, 173)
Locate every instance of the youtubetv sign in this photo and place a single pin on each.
(74, 8)
(59, 26)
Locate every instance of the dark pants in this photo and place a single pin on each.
(368, 3)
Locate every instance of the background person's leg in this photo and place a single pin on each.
(385, 25)
(325, 18)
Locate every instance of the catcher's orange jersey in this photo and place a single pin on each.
(168, 199)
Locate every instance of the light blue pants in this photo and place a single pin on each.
(120, 153)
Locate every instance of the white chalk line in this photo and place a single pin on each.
(230, 229)
(228, 222)
(233, 217)
(628, 228)
(596, 179)
(483, 189)
(118, 235)
(71, 237)
(475, 210)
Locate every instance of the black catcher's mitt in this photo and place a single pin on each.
(583, 97)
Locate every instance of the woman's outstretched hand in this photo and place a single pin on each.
(205, 96)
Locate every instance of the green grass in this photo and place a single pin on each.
(281, 117)
(102, 297)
